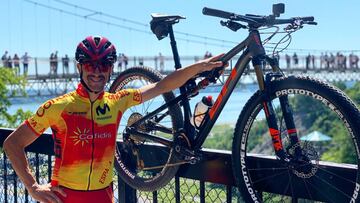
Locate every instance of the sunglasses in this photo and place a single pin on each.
(101, 66)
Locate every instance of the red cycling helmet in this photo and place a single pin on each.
(95, 48)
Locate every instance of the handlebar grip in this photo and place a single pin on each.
(217, 13)
(307, 18)
(311, 23)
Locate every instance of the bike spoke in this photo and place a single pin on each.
(271, 169)
(319, 189)
(271, 177)
(353, 181)
(332, 186)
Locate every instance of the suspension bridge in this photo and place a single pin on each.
(42, 83)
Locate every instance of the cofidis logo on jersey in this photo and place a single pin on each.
(84, 136)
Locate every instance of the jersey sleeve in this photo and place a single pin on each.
(40, 121)
(129, 98)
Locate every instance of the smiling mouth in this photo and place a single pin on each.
(97, 79)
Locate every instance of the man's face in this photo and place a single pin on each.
(96, 74)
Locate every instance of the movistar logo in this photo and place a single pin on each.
(102, 110)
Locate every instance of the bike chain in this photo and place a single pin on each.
(166, 165)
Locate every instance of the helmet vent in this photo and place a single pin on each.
(107, 44)
(97, 40)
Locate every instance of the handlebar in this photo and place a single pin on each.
(254, 22)
(257, 20)
(218, 13)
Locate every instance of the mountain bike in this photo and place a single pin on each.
(286, 107)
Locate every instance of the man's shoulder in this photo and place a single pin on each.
(61, 100)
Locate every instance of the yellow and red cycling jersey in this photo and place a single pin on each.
(84, 134)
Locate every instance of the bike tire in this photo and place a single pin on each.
(135, 176)
(312, 102)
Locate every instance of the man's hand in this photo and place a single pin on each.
(179, 77)
(46, 193)
(210, 63)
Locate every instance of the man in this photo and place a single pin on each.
(4, 58)
(84, 143)
(65, 62)
(25, 60)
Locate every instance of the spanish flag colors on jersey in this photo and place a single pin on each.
(84, 134)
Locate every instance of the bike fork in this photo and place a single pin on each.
(287, 114)
(274, 129)
(259, 65)
(290, 127)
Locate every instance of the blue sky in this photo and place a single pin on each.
(40, 31)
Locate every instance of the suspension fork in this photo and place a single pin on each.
(285, 108)
(259, 65)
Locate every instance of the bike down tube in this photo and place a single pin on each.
(223, 97)
(229, 85)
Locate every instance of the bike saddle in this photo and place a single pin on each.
(160, 24)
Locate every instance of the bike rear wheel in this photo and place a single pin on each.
(141, 163)
(317, 108)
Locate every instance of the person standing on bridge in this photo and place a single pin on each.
(4, 59)
(16, 61)
(65, 62)
(25, 60)
(84, 124)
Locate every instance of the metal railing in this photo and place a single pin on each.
(189, 185)
(208, 181)
(41, 67)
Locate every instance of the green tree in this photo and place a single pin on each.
(11, 85)
(354, 93)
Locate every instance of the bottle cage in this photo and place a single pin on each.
(160, 24)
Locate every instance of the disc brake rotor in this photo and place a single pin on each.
(308, 164)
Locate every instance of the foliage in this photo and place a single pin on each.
(220, 137)
(9, 79)
(354, 93)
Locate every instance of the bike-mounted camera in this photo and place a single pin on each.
(160, 24)
(278, 9)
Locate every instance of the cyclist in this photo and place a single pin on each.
(84, 125)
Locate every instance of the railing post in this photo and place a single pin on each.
(126, 193)
(15, 187)
(228, 193)
(155, 197)
(202, 192)
(37, 167)
(177, 189)
(5, 178)
(36, 67)
(49, 162)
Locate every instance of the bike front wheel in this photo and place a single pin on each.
(142, 163)
(328, 128)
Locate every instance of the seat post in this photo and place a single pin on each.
(174, 48)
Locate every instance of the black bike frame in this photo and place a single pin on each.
(254, 51)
